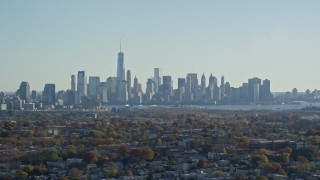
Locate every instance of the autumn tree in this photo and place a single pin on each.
(240, 176)
(259, 158)
(142, 154)
(91, 156)
(75, 174)
(111, 169)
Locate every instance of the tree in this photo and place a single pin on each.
(261, 177)
(142, 154)
(213, 165)
(91, 156)
(40, 170)
(245, 142)
(303, 159)
(29, 169)
(221, 133)
(124, 150)
(240, 176)
(218, 174)
(72, 150)
(111, 169)
(288, 150)
(259, 158)
(304, 165)
(75, 174)
(159, 142)
(285, 157)
(282, 172)
(264, 151)
(41, 156)
(22, 174)
(314, 139)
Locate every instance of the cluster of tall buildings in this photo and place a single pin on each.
(159, 89)
(92, 91)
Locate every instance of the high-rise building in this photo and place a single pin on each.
(181, 83)
(227, 89)
(209, 93)
(252, 91)
(112, 83)
(198, 93)
(244, 92)
(203, 81)
(103, 92)
(34, 95)
(192, 80)
(213, 81)
(136, 85)
(167, 89)
(266, 84)
(265, 91)
(222, 80)
(82, 85)
(167, 85)
(123, 93)
(222, 88)
(49, 94)
(73, 82)
(120, 69)
(235, 94)
(256, 92)
(150, 90)
(129, 83)
(94, 82)
(71, 97)
(157, 78)
(24, 91)
(137, 91)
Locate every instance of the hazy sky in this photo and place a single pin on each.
(47, 41)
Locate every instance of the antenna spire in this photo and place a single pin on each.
(120, 45)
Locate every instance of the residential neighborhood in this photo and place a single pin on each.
(160, 143)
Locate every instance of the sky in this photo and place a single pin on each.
(48, 41)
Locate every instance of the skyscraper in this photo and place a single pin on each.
(34, 95)
(112, 83)
(73, 82)
(181, 83)
(203, 81)
(256, 92)
(135, 85)
(120, 69)
(222, 80)
(103, 92)
(192, 82)
(222, 88)
(82, 85)
(213, 81)
(94, 82)
(157, 78)
(137, 91)
(123, 92)
(129, 83)
(149, 90)
(24, 91)
(265, 91)
(253, 89)
(71, 97)
(49, 94)
(167, 85)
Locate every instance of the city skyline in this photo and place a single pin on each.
(46, 42)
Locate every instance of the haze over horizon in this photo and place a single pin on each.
(47, 41)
